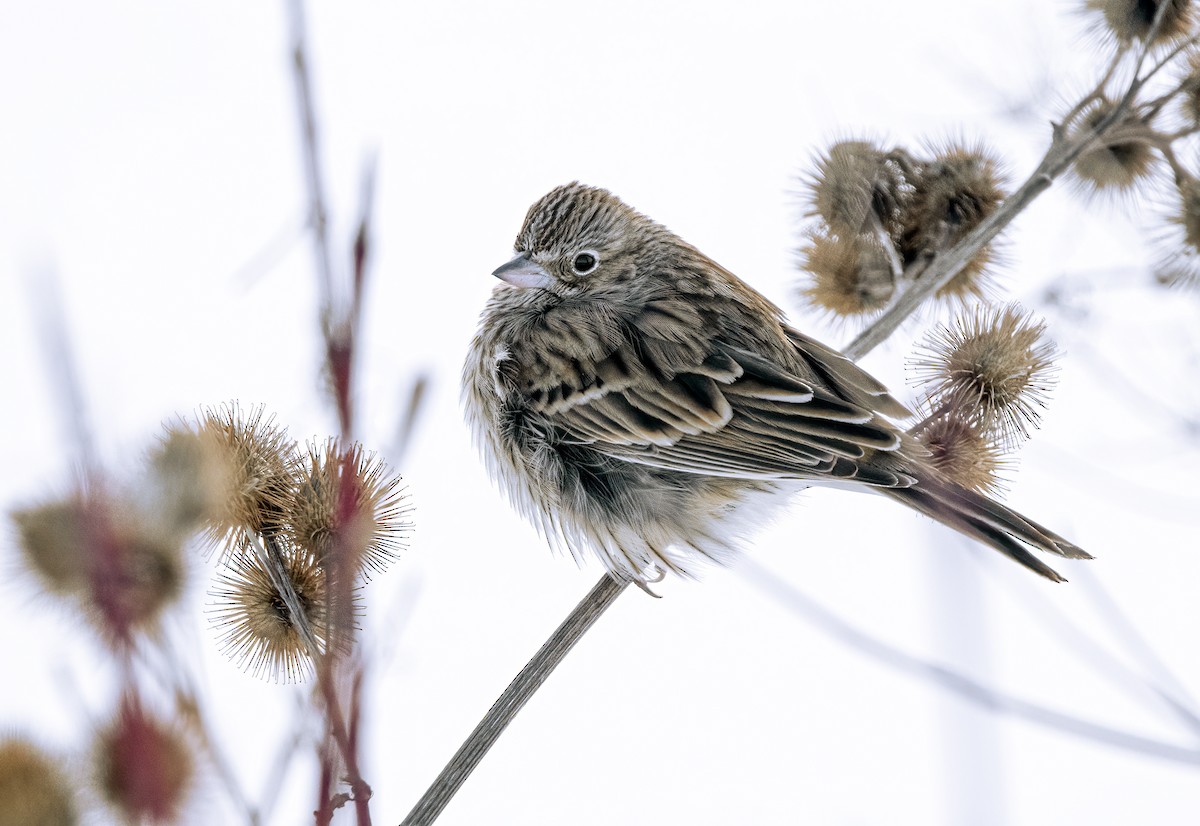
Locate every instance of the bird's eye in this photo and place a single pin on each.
(585, 262)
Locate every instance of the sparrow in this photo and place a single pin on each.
(636, 400)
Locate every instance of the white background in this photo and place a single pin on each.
(149, 156)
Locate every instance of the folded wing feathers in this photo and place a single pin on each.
(731, 412)
(846, 377)
(989, 521)
(759, 389)
(674, 404)
(721, 367)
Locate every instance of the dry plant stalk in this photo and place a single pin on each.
(284, 527)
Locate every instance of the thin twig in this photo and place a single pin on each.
(278, 770)
(880, 234)
(513, 700)
(947, 265)
(942, 409)
(345, 737)
(1052, 618)
(1153, 106)
(1064, 149)
(271, 557)
(1136, 644)
(954, 682)
(339, 328)
(1122, 385)
(174, 674)
(1097, 92)
(362, 237)
(1160, 15)
(318, 215)
(325, 802)
(415, 403)
(270, 253)
(46, 298)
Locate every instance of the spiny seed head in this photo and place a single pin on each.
(853, 180)
(260, 457)
(53, 538)
(958, 449)
(143, 767)
(193, 473)
(346, 503)
(991, 367)
(258, 630)
(973, 283)
(33, 790)
(952, 194)
(1189, 90)
(851, 275)
(1120, 158)
(143, 576)
(1180, 264)
(1181, 271)
(1188, 214)
(119, 564)
(1130, 20)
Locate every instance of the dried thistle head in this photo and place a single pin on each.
(1127, 21)
(258, 629)
(143, 576)
(1187, 216)
(952, 194)
(1180, 265)
(854, 180)
(851, 276)
(33, 789)
(53, 538)
(192, 472)
(962, 452)
(992, 367)
(258, 463)
(143, 767)
(346, 503)
(120, 565)
(1121, 158)
(973, 283)
(1179, 272)
(1189, 90)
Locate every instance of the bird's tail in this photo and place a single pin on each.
(988, 521)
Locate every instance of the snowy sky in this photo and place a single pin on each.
(150, 159)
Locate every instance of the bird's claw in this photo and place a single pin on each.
(645, 584)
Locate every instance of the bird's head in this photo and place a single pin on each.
(580, 240)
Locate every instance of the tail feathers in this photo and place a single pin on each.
(988, 521)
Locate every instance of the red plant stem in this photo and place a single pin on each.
(324, 813)
(337, 731)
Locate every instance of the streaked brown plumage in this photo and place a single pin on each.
(636, 399)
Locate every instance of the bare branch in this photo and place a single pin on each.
(531, 677)
(954, 682)
(60, 361)
(318, 215)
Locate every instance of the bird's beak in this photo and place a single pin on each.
(525, 273)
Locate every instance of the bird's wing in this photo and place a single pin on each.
(848, 380)
(726, 412)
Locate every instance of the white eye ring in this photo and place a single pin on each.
(585, 261)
